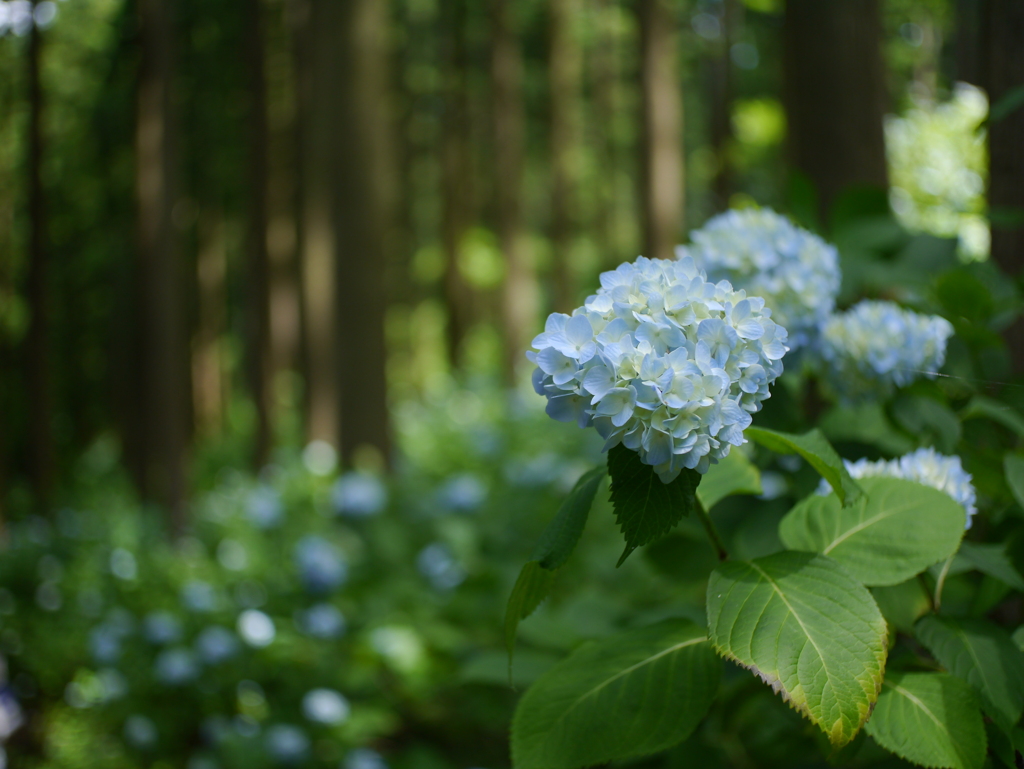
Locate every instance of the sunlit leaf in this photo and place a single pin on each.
(802, 624)
(896, 530)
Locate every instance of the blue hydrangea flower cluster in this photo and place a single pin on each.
(757, 250)
(925, 466)
(663, 362)
(875, 347)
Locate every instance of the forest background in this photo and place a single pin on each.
(236, 234)
(271, 220)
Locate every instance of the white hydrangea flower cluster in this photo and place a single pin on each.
(662, 361)
(875, 347)
(925, 466)
(764, 253)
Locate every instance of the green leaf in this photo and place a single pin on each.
(531, 588)
(628, 695)
(1008, 417)
(1018, 637)
(733, 475)
(560, 537)
(1013, 466)
(815, 448)
(897, 530)
(931, 719)
(802, 624)
(904, 604)
(646, 508)
(984, 655)
(994, 561)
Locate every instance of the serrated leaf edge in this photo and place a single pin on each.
(801, 707)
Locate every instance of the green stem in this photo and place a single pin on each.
(937, 601)
(709, 527)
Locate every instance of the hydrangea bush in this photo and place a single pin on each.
(662, 361)
(765, 254)
(669, 367)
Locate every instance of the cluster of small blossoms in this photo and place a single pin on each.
(925, 466)
(875, 347)
(765, 254)
(663, 362)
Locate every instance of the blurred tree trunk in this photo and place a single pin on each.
(519, 300)
(162, 415)
(1003, 71)
(208, 376)
(316, 69)
(285, 308)
(663, 203)
(257, 297)
(720, 86)
(834, 94)
(603, 68)
(456, 176)
(38, 337)
(365, 195)
(565, 71)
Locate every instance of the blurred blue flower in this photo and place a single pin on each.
(176, 666)
(793, 270)
(875, 347)
(264, 508)
(325, 706)
(359, 495)
(540, 470)
(287, 744)
(463, 493)
(256, 628)
(216, 644)
(11, 716)
(322, 567)
(161, 627)
(364, 758)
(199, 596)
(140, 731)
(438, 565)
(122, 564)
(105, 644)
(321, 621)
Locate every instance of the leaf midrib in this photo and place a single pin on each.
(865, 524)
(923, 707)
(608, 681)
(796, 616)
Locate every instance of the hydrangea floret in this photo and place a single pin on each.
(925, 466)
(764, 253)
(875, 347)
(662, 361)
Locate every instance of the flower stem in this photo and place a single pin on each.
(937, 601)
(709, 527)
